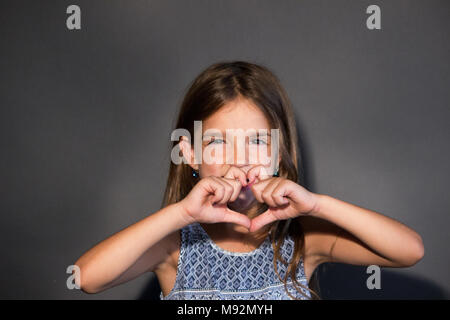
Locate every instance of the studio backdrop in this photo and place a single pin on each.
(89, 91)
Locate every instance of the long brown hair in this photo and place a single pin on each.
(219, 84)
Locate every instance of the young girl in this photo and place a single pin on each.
(235, 229)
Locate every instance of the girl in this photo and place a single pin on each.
(232, 230)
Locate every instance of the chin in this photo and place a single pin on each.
(243, 206)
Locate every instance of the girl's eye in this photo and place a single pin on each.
(216, 141)
(258, 141)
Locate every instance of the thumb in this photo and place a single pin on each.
(236, 217)
(261, 220)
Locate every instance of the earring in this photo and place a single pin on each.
(194, 173)
(276, 174)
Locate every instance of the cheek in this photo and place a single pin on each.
(260, 155)
(214, 154)
(207, 170)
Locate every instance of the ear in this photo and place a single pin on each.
(188, 152)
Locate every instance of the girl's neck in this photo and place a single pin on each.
(233, 235)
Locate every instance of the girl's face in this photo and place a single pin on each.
(239, 114)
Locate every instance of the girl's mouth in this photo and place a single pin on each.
(248, 186)
(246, 194)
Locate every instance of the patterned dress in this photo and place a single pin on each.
(206, 271)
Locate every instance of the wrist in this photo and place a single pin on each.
(319, 200)
(183, 214)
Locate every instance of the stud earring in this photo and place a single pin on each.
(276, 174)
(194, 173)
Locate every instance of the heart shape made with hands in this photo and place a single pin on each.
(285, 198)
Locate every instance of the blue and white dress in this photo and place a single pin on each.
(207, 272)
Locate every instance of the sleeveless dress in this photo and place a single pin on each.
(207, 272)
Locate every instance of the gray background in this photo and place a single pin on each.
(86, 118)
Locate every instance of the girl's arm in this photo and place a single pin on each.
(350, 234)
(146, 244)
(131, 252)
(336, 230)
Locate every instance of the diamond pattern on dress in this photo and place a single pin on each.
(205, 271)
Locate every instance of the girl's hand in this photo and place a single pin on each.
(207, 201)
(285, 198)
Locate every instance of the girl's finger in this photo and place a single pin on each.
(258, 172)
(215, 189)
(228, 190)
(236, 173)
(257, 189)
(279, 194)
(262, 220)
(268, 190)
(238, 218)
(237, 186)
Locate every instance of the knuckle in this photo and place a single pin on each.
(277, 198)
(227, 184)
(209, 179)
(254, 189)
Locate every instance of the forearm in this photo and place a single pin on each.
(110, 258)
(388, 237)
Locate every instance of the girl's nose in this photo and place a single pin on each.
(240, 156)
